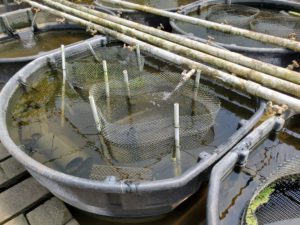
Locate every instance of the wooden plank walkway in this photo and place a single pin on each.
(23, 201)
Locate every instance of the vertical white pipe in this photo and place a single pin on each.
(95, 113)
(139, 59)
(126, 80)
(176, 155)
(197, 84)
(106, 79)
(63, 89)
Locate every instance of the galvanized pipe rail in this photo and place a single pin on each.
(244, 85)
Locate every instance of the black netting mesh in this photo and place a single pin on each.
(278, 198)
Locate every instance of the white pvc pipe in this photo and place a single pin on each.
(106, 79)
(197, 83)
(126, 80)
(63, 90)
(139, 60)
(93, 52)
(176, 154)
(95, 113)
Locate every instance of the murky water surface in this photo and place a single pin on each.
(75, 147)
(30, 44)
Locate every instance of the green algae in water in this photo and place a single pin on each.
(39, 43)
(261, 199)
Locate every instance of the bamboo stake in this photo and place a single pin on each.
(259, 77)
(63, 90)
(220, 53)
(250, 87)
(282, 42)
(293, 13)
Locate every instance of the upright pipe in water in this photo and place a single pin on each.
(250, 87)
(63, 89)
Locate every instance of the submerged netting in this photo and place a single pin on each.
(235, 15)
(278, 198)
(280, 26)
(136, 121)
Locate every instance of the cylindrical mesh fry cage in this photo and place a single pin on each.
(137, 120)
(280, 26)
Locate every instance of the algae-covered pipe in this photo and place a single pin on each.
(269, 39)
(220, 53)
(244, 85)
(264, 79)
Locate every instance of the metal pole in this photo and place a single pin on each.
(63, 91)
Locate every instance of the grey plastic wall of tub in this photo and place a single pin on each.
(118, 199)
(45, 27)
(277, 56)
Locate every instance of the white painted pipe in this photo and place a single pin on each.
(63, 89)
(95, 113)
(139, 59)
(197, 84)
(93, 52)
(106, 79)
(126, 80)
(176, 154)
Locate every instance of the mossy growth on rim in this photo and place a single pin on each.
(262, 198)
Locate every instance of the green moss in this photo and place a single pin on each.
(261, 199)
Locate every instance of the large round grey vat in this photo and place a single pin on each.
(109, 197)
(14, 24)
(267, 53)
